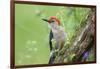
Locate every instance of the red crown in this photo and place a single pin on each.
(54, 17)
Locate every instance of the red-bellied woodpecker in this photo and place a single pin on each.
(57, 33)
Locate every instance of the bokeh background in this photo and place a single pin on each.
(32, 34)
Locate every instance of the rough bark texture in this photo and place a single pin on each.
(83, 42)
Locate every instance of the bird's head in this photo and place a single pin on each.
(53, 21)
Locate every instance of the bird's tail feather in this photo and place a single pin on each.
(52, 57)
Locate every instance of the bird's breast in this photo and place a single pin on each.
(59, 35)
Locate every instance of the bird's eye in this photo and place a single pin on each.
(52, 21)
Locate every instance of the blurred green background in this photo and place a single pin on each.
(32, 34)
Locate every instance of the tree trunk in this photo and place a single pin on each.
(84, 42)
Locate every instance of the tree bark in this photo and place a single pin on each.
(84, 42)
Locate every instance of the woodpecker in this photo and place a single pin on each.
(57, 33)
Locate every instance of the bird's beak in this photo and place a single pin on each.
(45, 20)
